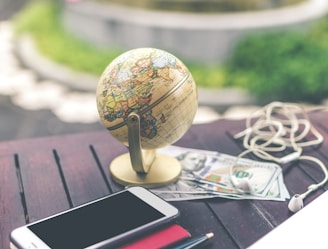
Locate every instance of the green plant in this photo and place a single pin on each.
(319, 32)
(208, 76)
(281, 66)
(41, 20)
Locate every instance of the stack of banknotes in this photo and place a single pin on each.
(208, 174)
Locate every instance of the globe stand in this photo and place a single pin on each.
(143, 167)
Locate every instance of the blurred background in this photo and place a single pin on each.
(241, 53)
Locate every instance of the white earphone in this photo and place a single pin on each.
(275, 133)
(296, 203)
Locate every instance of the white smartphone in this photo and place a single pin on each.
(102, 223)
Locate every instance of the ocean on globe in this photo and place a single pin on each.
(154, 84)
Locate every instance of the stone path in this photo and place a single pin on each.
(30, 107)
(30, 93)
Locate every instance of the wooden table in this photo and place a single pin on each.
(42, 176)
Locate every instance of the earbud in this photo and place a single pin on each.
(244, 186)
(296, 203)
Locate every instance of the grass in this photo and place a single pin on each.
(41, 20)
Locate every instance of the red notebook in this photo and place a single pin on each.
(160, 239)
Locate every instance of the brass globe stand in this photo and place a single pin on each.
(143, 167)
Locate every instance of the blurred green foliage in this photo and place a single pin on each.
(286, 66)
(41, 20)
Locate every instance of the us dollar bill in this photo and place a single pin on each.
(207, 174)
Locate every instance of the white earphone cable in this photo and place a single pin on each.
(279, 128)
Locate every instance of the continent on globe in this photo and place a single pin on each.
(153, 84)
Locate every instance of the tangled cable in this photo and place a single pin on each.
(279, 127)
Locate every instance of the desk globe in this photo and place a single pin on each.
(147, 99)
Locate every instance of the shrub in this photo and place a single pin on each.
(41, 20)
(207, 76)
(281, 66)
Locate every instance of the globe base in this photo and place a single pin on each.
(164, 170)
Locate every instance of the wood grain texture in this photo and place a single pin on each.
(43, 176)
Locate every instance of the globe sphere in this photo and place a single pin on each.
(154, 84)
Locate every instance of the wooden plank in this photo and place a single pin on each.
(212, 136)
(199, 219)
(85, 181)
(11, 207)
(105, 149)
(81, 161)
(41, 181)
(243, 220)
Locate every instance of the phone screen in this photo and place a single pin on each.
(94, 223)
